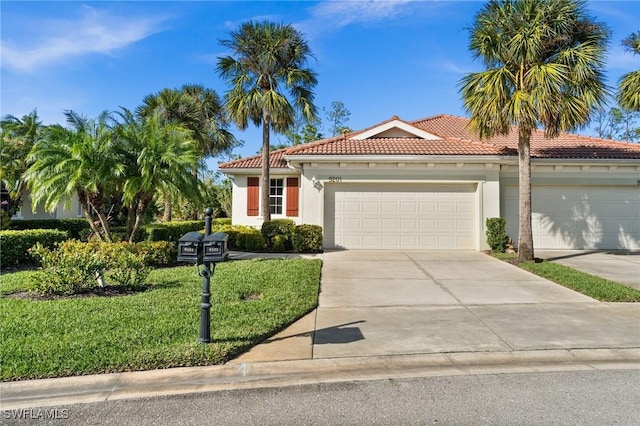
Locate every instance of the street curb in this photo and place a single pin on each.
(243, 375)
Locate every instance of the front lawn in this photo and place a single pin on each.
(590, 285)
(157, 328)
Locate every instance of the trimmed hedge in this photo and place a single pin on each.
(496, 234)
(242, 237)
(278, 234)
(172, 231)
(307, 238)
(73, 227)
(15, 245)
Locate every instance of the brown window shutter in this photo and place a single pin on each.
(292, 196)
(253, 195)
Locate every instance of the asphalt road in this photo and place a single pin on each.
(567, 398)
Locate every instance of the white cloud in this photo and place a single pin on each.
(452, 67)
(343, 13)
(95, 31)
(333, 15)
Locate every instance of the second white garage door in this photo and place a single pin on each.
(579, 217)
(402, 216)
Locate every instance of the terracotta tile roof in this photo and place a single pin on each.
(455, 139)
(276, 161)
(564, 146)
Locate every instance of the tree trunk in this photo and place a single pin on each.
(168, 206)
(82, 198)
(143, 202)
(525, 234)
(266, 208)
(131, 217)
(97, 201)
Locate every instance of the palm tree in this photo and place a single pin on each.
(160, 156)
(544, 67)
(18, 137)
(267, 59)
(76, 159)
(198, 109)
(629, 85)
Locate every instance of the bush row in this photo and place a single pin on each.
(74, 228)
(78, 229)
(75, 267)
(15, 244)
(278, 235)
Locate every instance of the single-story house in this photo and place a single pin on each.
(26, 211)
(431, 184)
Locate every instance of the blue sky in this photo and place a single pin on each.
(380, 58)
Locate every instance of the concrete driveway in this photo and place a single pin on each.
(408, 302)
(619, 266)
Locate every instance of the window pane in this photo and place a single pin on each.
(276, 191)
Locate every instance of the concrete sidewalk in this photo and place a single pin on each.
(396, 314)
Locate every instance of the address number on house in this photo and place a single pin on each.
(335, 179)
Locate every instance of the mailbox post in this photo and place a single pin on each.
(193, 247)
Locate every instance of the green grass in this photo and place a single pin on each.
(587, 284)
(157, 328)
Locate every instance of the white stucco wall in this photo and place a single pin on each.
(239, 201)
(61, 212)
(490, 178)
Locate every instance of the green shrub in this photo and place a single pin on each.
(283, 230)
(157, 253)
(279, 243)
(4, 220)
(73, 227)
(242, 237)
(127, 269)
(74, 266)
(307, 238)
(70, 268)
(14, 245)
(171, 231)
(496, 234)
(250, 239)
(221, 221)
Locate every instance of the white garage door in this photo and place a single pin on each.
(403, 216)
(579, 217)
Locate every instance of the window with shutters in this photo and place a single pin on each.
(276, 195)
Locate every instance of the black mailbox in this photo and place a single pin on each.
(189, 247)
(215, 247)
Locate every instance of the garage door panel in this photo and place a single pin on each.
(400, 216)
(389, 224)
(579, 217)
(429, 207)
(408, 224)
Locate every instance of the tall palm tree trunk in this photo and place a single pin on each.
(525, 234)
(168, 207)
(266, 126)
(143, 201)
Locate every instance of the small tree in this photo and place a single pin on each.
(337, 116)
